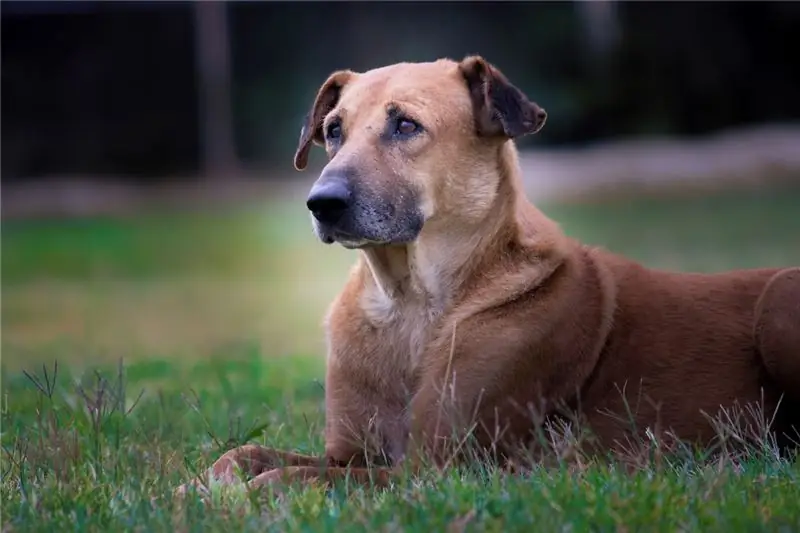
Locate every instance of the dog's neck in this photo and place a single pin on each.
(441, 261)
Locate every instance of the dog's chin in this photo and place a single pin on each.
(351, 242)
(359, 245)
(355, 242)
(366, 244)
(359, 240)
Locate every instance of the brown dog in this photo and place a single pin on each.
(468, 310)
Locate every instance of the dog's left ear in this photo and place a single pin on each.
(500, 108)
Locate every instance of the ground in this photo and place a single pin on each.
(135, 349)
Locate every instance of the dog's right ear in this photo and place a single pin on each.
(500, 108)
(311, 132)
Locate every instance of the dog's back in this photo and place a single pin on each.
(681, 346)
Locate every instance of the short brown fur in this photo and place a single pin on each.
(490, 312)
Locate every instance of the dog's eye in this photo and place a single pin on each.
(406, 126)
(334, 131)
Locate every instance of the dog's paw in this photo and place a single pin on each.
(280, 477)
(179, 494)
(194, 487)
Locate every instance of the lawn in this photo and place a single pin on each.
(136, 349)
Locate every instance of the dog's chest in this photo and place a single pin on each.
(404, 325)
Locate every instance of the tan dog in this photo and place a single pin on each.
(468, 310)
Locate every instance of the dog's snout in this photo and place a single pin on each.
(329, 199)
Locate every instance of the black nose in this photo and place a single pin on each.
(328, 200)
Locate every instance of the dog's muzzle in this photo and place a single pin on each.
(348, 212)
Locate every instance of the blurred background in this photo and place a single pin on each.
(149, 205)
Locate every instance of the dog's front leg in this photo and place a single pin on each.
(281, 478)
(249, 461)
(346, 459)
(462, 412)
(440, 427)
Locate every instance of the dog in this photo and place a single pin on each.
(469, 314)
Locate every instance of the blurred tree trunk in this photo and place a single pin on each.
(602, 30)
(212, 49)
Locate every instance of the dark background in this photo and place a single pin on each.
(123, 89)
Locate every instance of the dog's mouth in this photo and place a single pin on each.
(346, 240)
(358, 244)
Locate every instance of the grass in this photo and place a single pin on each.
(215, 319)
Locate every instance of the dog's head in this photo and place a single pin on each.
(409, 144)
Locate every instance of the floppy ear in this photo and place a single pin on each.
(500, 108)
(311, 132)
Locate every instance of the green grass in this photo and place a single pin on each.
(67, 468)
(216, 318)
